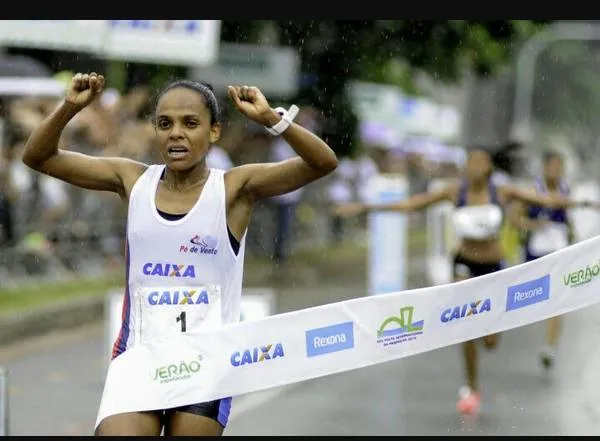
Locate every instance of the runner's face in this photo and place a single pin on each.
(183, 129)
(479, 165)
(553, 169)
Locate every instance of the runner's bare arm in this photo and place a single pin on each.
(417, 202)
(528, 196)
(315, 160)
(258, 181)
(41, 150)
(517, 216)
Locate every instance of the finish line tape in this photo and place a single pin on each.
(338, 337)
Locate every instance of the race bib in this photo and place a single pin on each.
(176, 310)
(550, 237)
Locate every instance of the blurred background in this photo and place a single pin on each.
(394, 98)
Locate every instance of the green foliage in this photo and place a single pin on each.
(566, 95)
(387, 51)
(241, 31)
(34, 295)
(444, 49)
(567, 73)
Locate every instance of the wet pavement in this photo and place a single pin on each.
(56, 382)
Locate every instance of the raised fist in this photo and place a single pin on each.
(84, 88)
(252, 103)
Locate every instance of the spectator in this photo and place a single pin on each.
(218, 158)
(285, 204)
(349, 183)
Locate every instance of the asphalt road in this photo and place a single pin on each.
(56, 382)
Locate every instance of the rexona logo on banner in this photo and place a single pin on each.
(334, 338)
(528, 293)
(582, 276)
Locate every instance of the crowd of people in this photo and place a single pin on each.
(46, 226)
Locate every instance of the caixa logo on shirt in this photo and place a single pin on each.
(201, 245)
(169, 270)
(178, 297)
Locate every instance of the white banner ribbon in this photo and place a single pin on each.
(338, 337)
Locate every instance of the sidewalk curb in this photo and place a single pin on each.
(60, 315)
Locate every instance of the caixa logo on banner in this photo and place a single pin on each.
(466, 310)
(257, 354)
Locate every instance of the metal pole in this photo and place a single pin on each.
(3, 401)
(525, 69)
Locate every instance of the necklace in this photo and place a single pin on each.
(195, 184)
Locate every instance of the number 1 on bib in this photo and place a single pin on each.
(181, 318)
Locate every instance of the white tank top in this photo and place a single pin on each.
(175, 257)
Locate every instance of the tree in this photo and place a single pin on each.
(566, 98)
(333, 52)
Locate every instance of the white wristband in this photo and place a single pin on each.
(287, 116)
